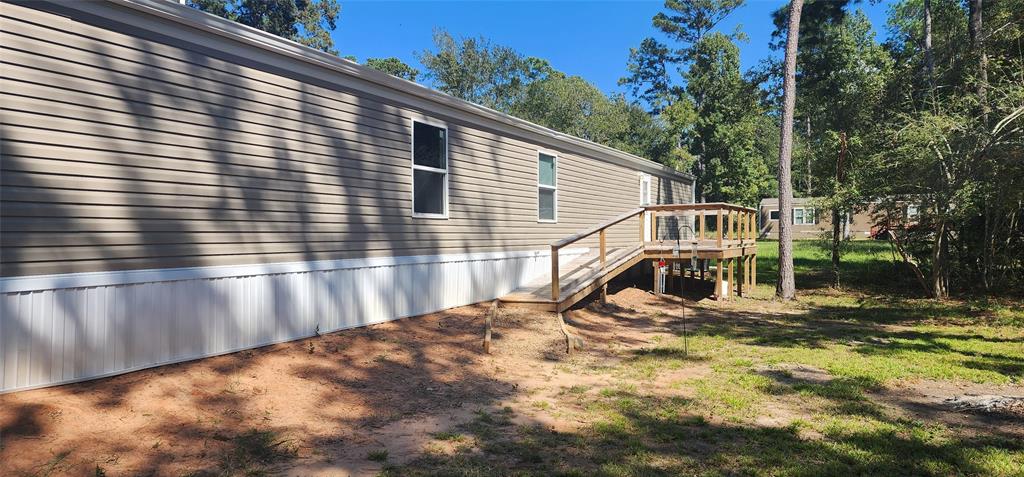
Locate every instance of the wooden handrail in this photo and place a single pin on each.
(706, 206)
(576, 237)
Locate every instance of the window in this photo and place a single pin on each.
(804, 216)
(911, 212)
(547, 187)
(429, 171)
(773, 215)
(645, 189)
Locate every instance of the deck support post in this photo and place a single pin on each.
(604, 294)
(753, 271)
(718, 278)
(488, 322)
(657, 278)
(732, 283)
(742, 272)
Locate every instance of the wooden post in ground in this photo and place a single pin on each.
(742, 277)
(753, 271)
(604, 294)
(572, 342)
(718, 278)
(657, 278)
(488, 322)
(732, 284)
(746, 273)
(703, 265)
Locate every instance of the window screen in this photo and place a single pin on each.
(430, 170)
(547, 187)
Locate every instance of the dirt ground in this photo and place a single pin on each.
(334, 402)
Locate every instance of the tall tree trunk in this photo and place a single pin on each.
(978, 48)
(838, 218)
(785, 288)
(929, 59)
(940, 252)
(808, 181)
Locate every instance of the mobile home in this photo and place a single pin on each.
(175, 185)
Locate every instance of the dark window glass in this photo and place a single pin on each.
(428, 192)
(546, 204)
(773, 215)
(429, 146)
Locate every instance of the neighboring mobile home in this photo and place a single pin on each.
(812, 222)
(175, 185)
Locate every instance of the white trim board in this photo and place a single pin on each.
(129, 277)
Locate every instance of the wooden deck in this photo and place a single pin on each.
(734, 239)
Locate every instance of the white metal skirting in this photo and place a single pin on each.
(67, 328)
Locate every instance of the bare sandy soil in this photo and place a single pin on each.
(331, 402)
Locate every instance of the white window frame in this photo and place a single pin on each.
(645, 186)
(915, 214)
(776, 212)
(804, 218)
(544, 186)
(415, 167)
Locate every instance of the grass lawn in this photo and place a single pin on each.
(831, 384)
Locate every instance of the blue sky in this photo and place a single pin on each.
(590, 39)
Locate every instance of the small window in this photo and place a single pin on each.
(912, 212)
(547, 187)
(429, 171)
(773, 215)
(645, 189)
(798, 216)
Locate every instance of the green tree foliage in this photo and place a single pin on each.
(730, 121)
(953, 151)
(393, 66)
(476, 70)
(649, 78)
(716, 117)
(500, 78)
(308, 22)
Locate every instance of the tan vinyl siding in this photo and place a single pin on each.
(130, 149)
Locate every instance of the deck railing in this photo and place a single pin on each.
(742, 228)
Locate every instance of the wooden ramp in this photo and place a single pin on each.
(581, 277)
(733, 240)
